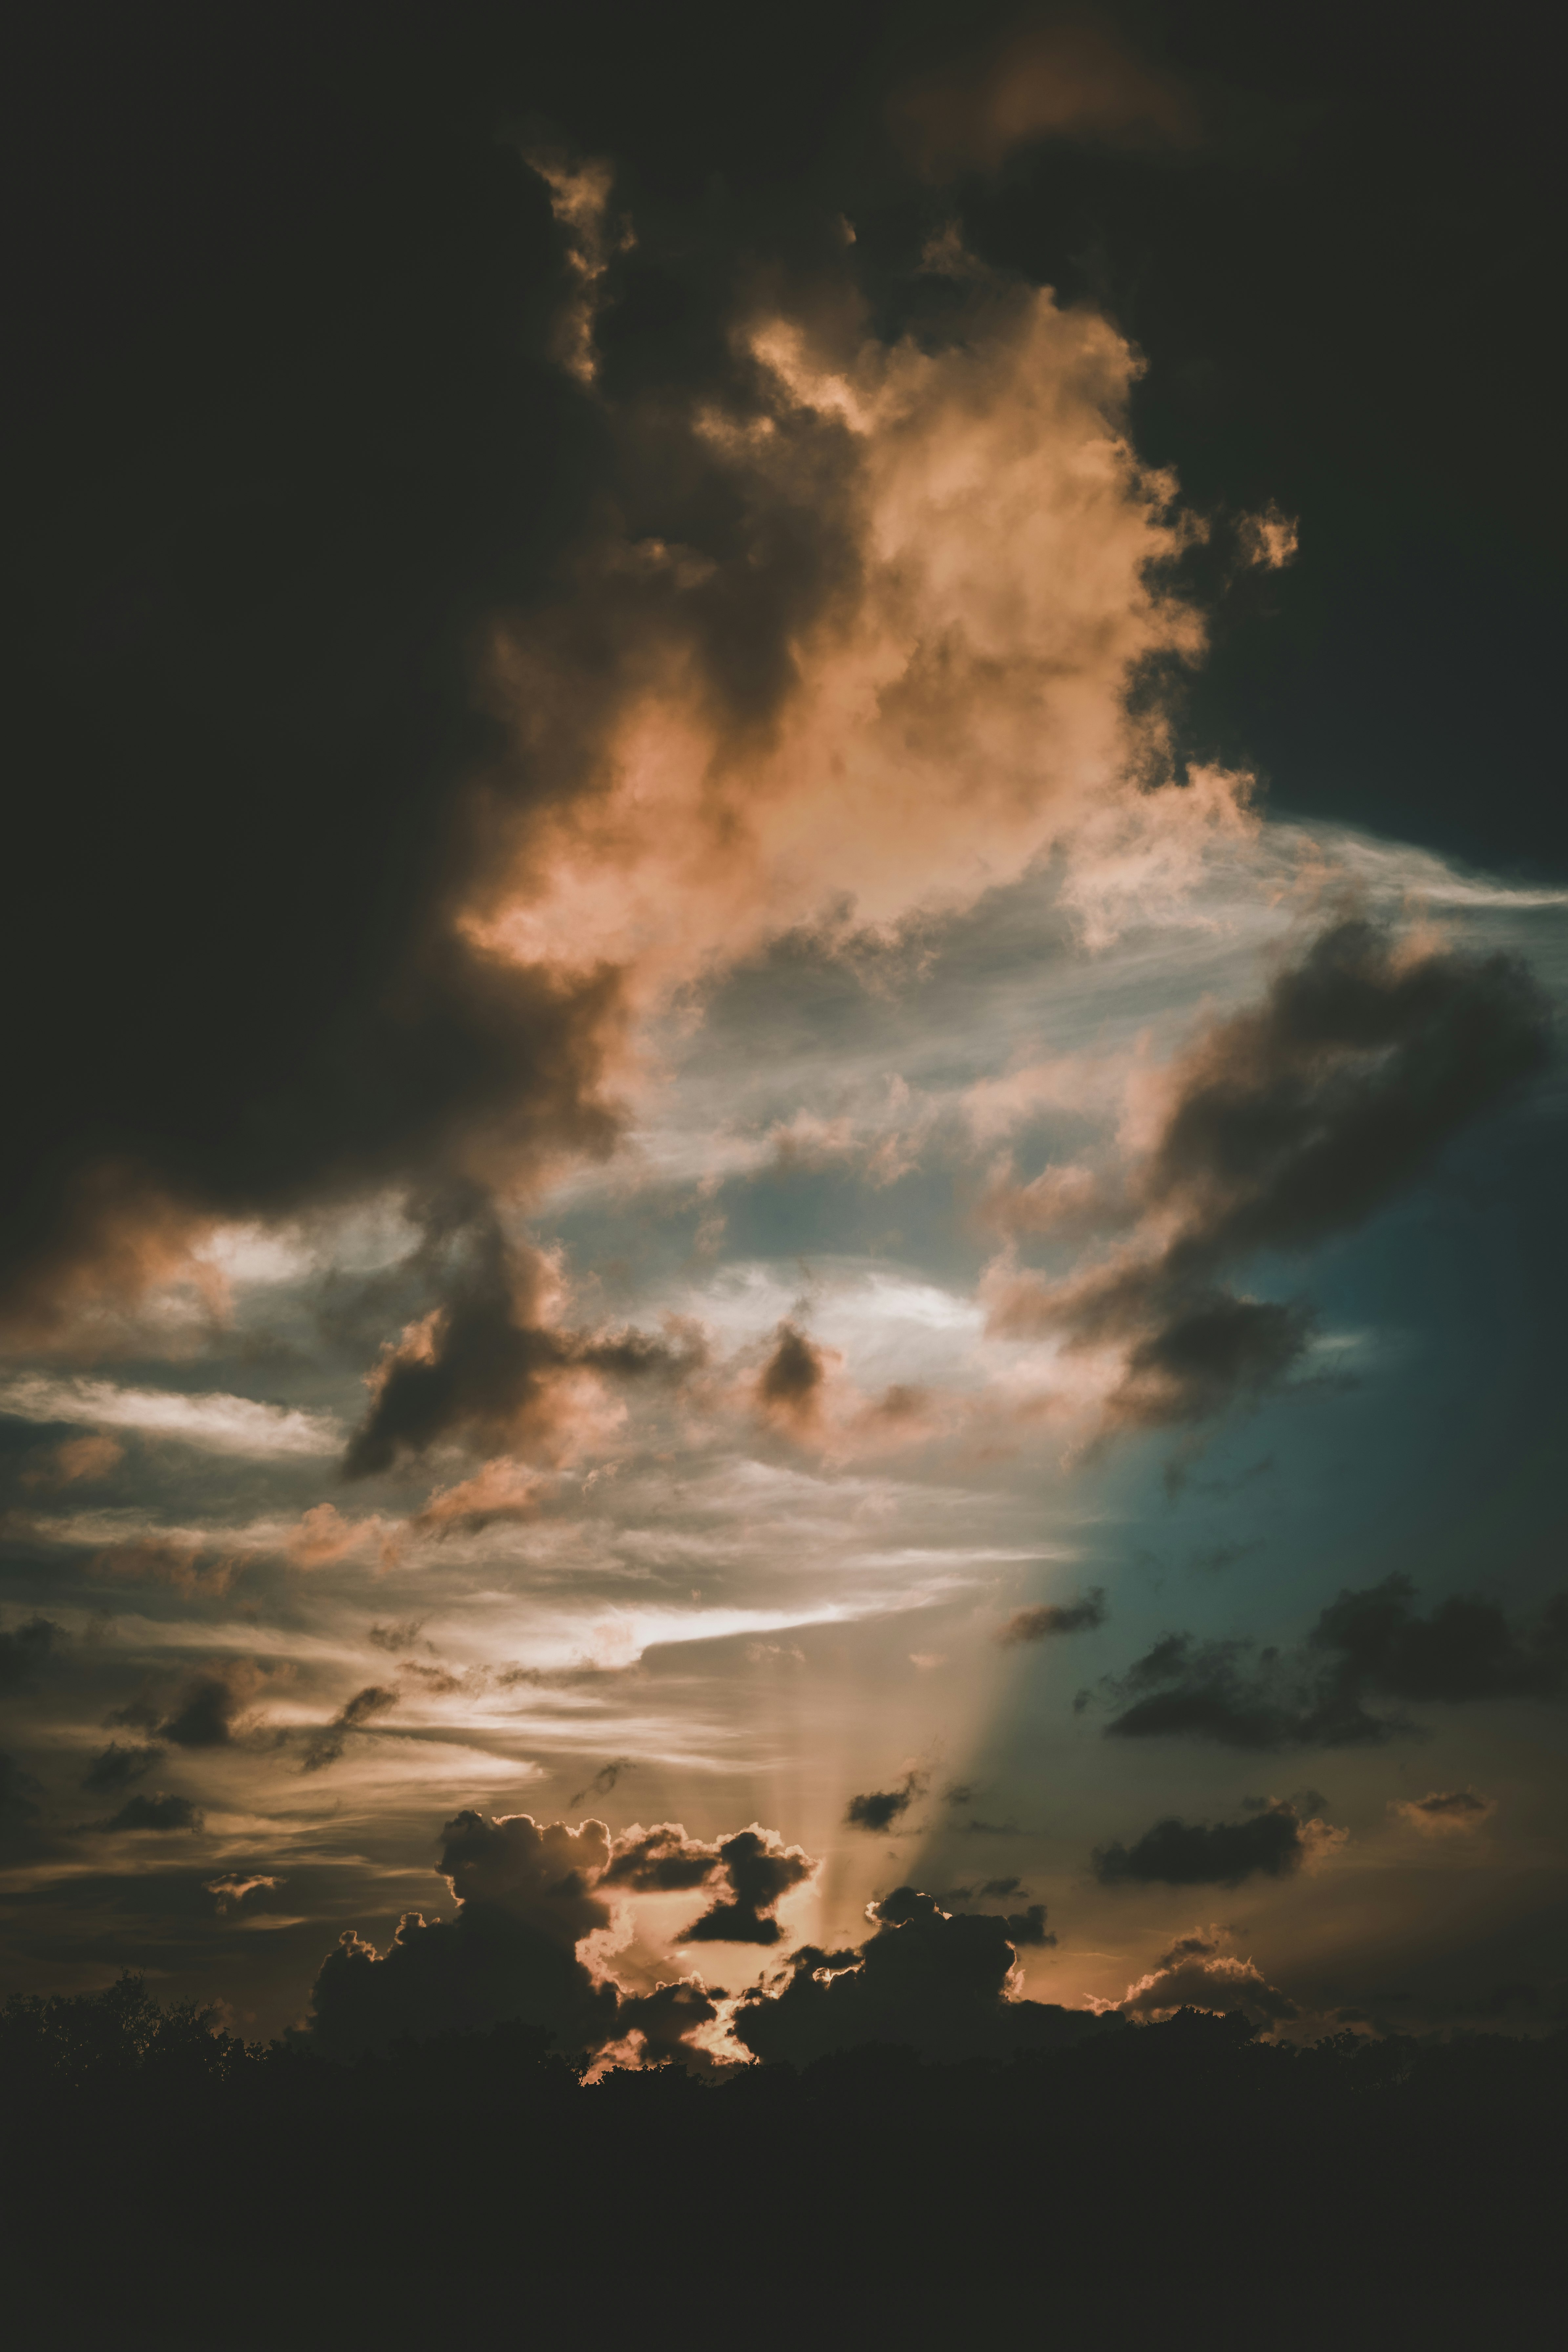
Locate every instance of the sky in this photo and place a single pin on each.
(783, 1241)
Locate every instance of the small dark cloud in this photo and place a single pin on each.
(974, 1828)
(26, 1652)
(961, 1792)
(760, 1870)
(604, 1781)
(1051, 1618)
(115, 1766)
(160, 1813)
(207, 1708)
(1220, 1853)
(790, 1383)
(878, 1808)
(400, 1635)
(327, 1745)
(21, 1811)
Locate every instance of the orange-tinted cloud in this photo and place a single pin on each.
(1067, 80)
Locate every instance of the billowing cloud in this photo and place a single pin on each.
(1371, 1646)
(936, 1982)
(1051, 1618)
(1273, 1843)
(1196, 1976)
(759, 1869)
(1276, 1128)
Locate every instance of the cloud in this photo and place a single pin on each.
(492, 1367)
(207, 1705)
(163, 1814)
(1196, 1977)
(878, 1808)
(500, 1493)
(327, 1745)
(1442, 1812)
(790, 1384)
(1050, 1618)
(214, 1423)
(1078, 81)
(527, 1896)
(759, 1869)
(1371, 1646)
(400, 1635)
(1275, 1128)
(78, 1461)
(27, 1650)
(604, 1780)
(1174, 1852)
(323, 1538)
(232, 1886)
(938, 1983)
(115, 1766)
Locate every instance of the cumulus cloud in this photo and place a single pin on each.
(528, 1894)
(1051, 1618)
(1272, 1844)
(759, 1869)
(1443, 1812)
(939, 1983)
(1195, 1976)
(1276, 1127)
(1366, 1648)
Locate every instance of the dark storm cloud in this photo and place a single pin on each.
(160, 1813)
(25, 1651)
(1285, 1124)
(115, 1766)
(1218, 1853)
(328, 1744)
(1051, 1618)
(1367, 1647)
(935, 1982)
(878, 1808)
(207, 1707)
(759, 1869)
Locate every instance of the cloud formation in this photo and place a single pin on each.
(26, 1652)
(1197, 1975)
(327, 1745)
(878, 1809)
(935, 1982)
(1275, 1128)
(1075, 79)
(759, 1868)
(1052, 1618)
(1443, 1812)
(1272, 1844)
(1371, 1646)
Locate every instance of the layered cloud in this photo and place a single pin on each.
(1272, 1843)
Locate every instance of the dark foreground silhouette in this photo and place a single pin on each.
(167, 2185)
